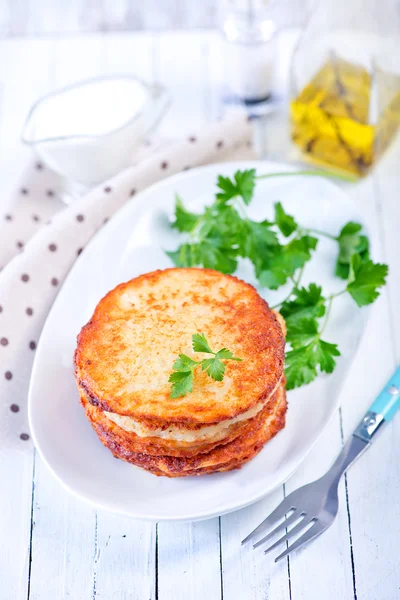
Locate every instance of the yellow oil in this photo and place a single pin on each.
(331, 118)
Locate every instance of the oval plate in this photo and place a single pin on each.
(132, 243)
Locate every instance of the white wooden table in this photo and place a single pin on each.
(54, 547)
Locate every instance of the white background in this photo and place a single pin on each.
(52, 546)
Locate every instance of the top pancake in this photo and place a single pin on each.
(125, 353)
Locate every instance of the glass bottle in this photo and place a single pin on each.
(345, 83)
(248, 50)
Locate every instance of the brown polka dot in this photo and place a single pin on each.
(8, 217)
(107, 189)
(52, 247)
(220, 144)
(4, 341)
(39, 166)
(8, 375)
(24, 437)
(1, 309)
(54, 281)
(29, 311)
(36, 218)
(132, 192)
(32, 345)
(164, 164)
(79, 251)
(20, 245)
(80, 218)
(192, 138)
(25, 277)
(106, 220)
(50, 193)
(24, 191)
(186, 168)
(14, 408)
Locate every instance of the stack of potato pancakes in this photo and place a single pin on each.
(124, 358)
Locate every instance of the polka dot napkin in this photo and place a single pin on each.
(41, 238)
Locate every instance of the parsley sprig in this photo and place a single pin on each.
(279, 251)
(184, 366)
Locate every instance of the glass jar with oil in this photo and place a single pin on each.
(345, 84)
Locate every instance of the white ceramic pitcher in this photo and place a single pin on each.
(63, 130)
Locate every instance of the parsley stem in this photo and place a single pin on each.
(194, 234)
(332, 296)
(328, 311)
(296, 283)
(285, 299)
(241, 209)
(312, 172)
(323, 233)
(300, 275)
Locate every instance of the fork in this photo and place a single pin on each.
(312, 508)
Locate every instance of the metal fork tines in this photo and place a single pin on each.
(293, 518)
(309, 510)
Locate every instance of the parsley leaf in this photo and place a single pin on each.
(300, 367)
(205, 254)
(242, 185)
(302, 332)
(182, 383)
(350, 242)
(183, 363)
(307, 303)
(184, 366)
(200, 344)
(212, 257)
(185, 221)
(214, 367)
(302, 363)
(324, 353)
(225, 353)
(285, 261)
(257, 241)
(186, 255)
(286, 223)
(365, 280)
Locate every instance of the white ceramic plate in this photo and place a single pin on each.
(130, 244)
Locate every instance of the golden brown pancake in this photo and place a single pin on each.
(155, 445)
(224, 457)
(125, 353)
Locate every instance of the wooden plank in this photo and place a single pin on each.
(185, 79)
(248, 574)
(63, 543)
(21, 17)
(373, 482)
(15, 521)
(189, 561)
(129, 54)
(125, 558)
(78, 58)
(331, 552)
(21, 87)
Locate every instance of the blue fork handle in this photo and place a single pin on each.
(382, 410)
